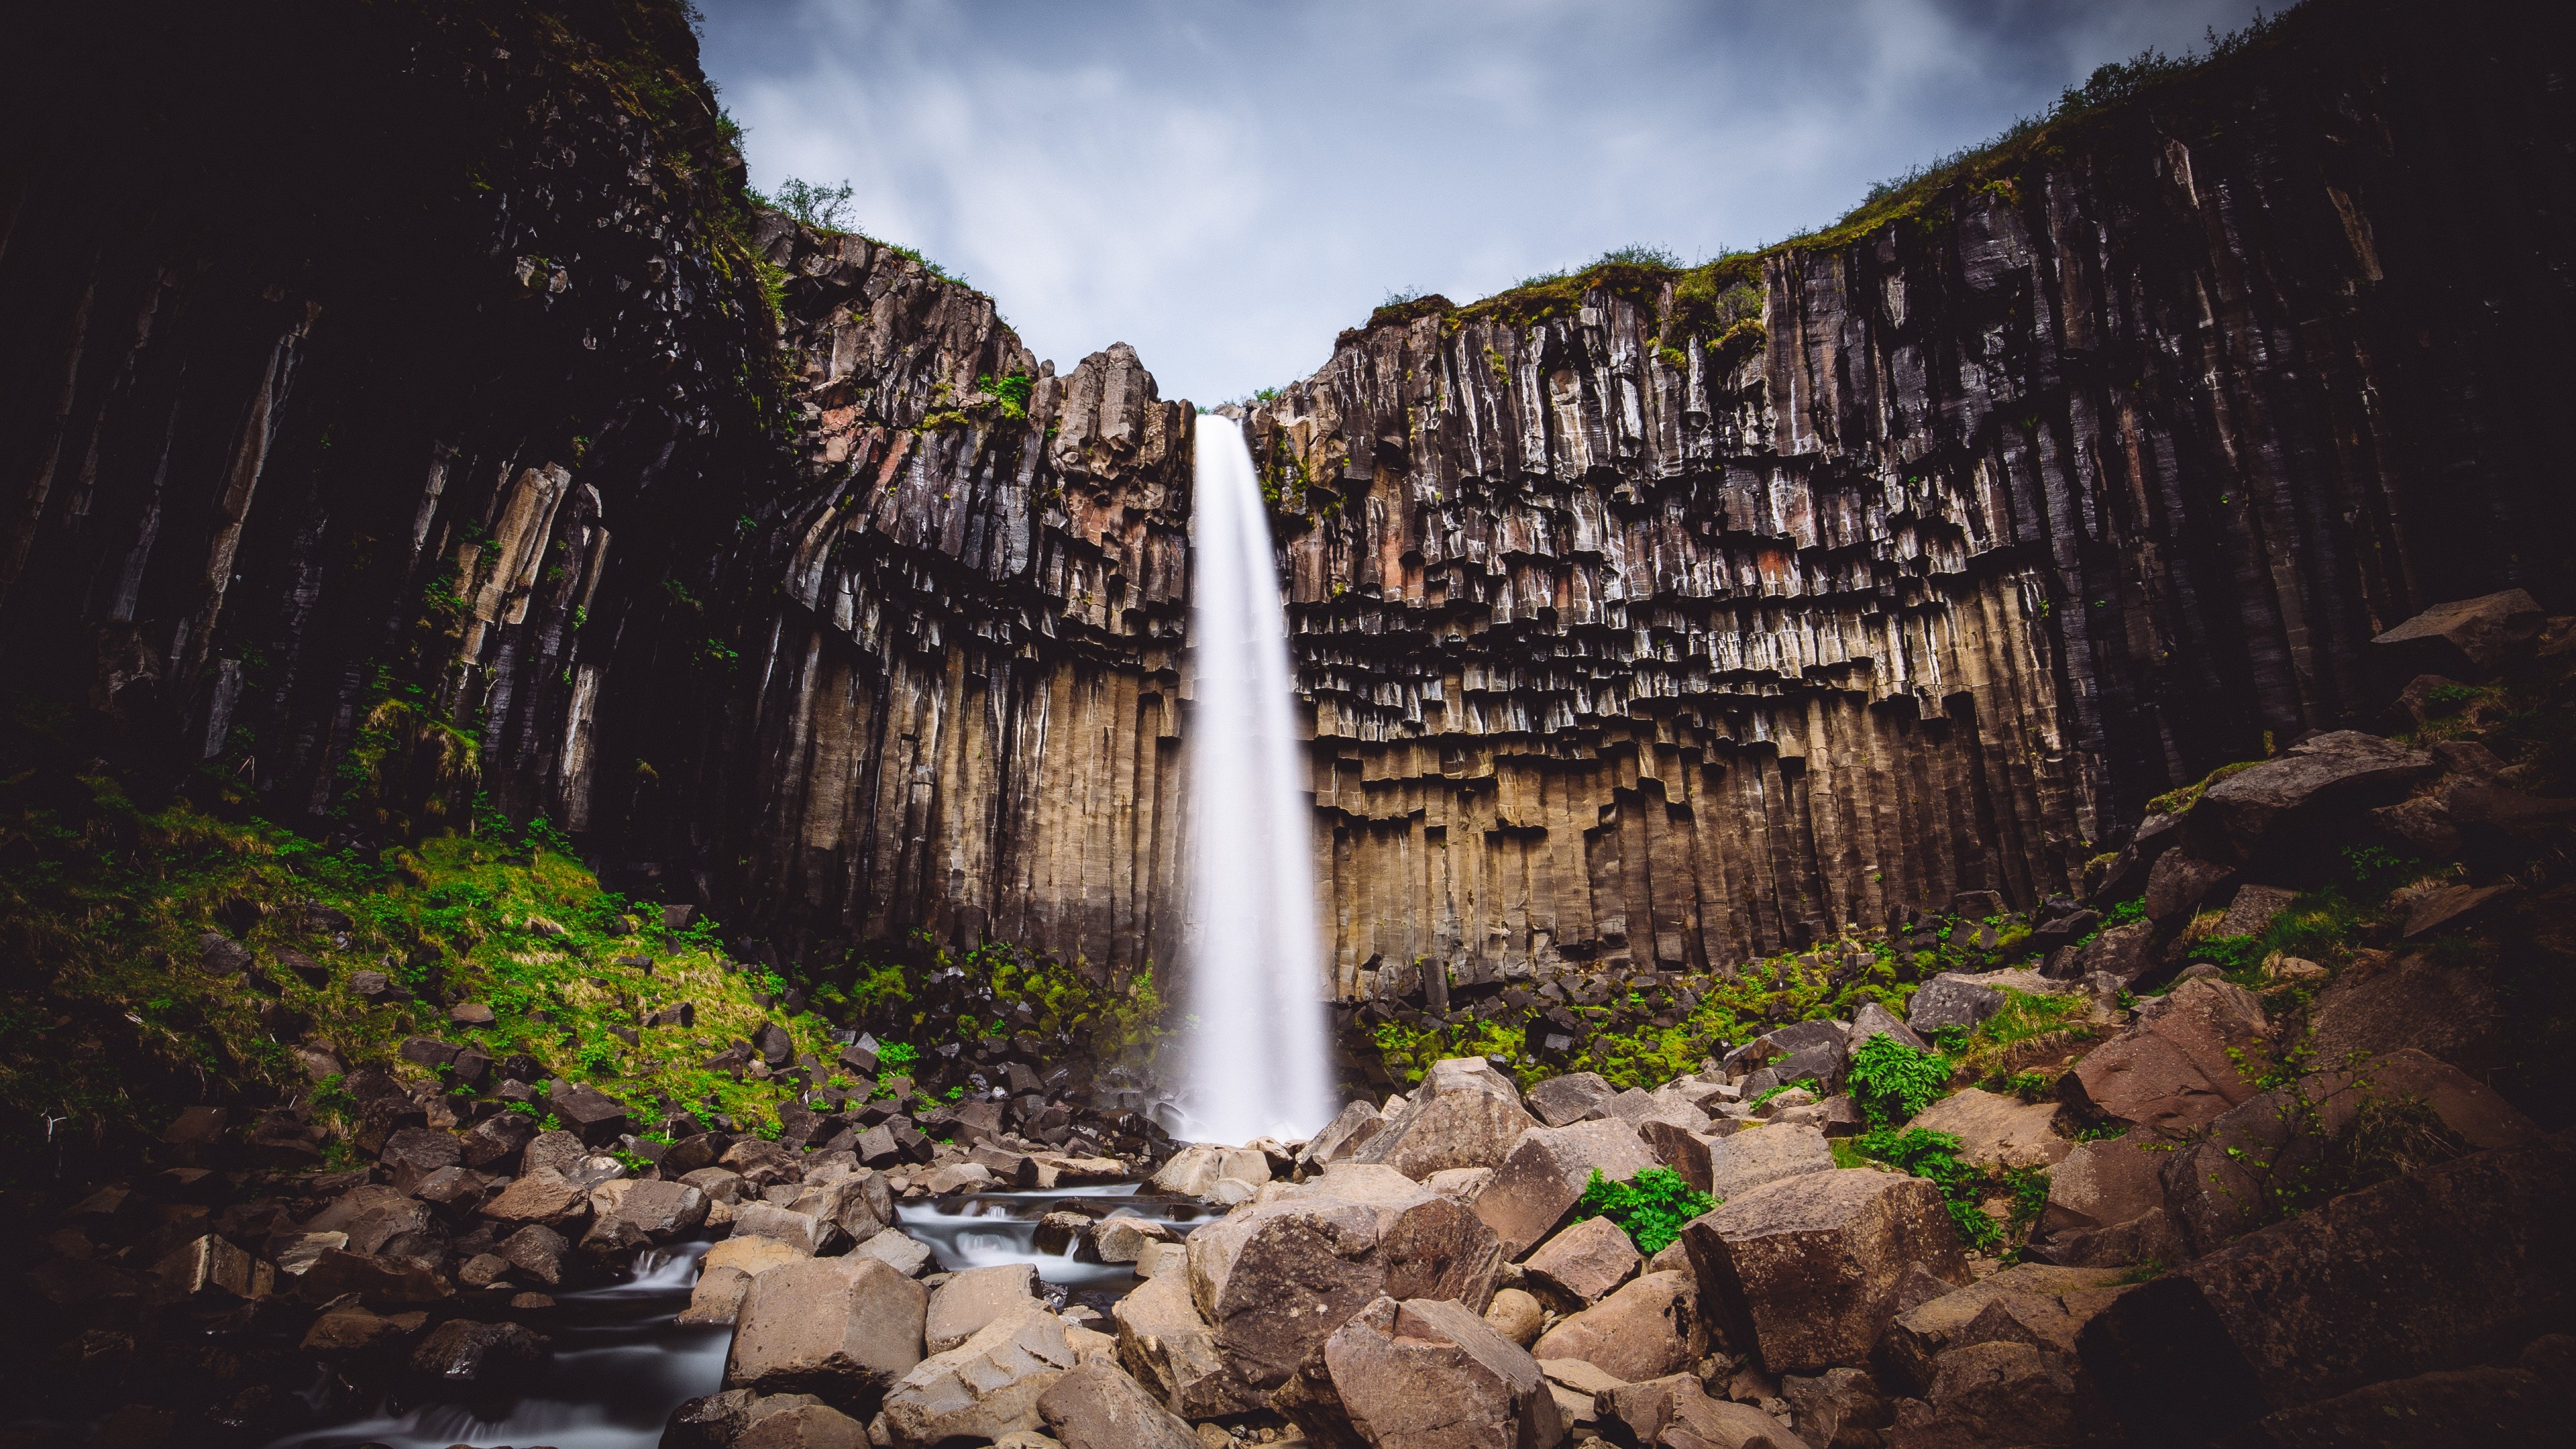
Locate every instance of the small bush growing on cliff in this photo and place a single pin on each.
(823, 208)
(1650, 1207)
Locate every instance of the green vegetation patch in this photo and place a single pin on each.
(1650, 1207)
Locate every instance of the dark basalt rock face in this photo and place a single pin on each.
(1646, 627)
(406, 401)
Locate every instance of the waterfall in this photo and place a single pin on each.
(1257, 1059)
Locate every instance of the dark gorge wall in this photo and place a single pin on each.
(401, 403)
(1658, 618)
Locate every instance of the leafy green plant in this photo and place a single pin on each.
(1934, 1157)
(2126, 913)
(895, 1058)
(1892, 1081)
(822, 207)
(1803, 1084)
(1012, 391)
(1650, 1207)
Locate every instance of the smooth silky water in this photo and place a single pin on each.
(1256, 1061)
(622, 1363)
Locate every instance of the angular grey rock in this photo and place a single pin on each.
(1343, 1136)
(1645, 1330)
(1546, 1170)
(484, 1355)
(2466, 637)
(844, 1329)
(2035, 1303)
(1739, 1163)
(1998, 1132)
(1097, 1406)
(1465, 1114)
(983, 1388)
(1164, 1342)
(905, 1254)
(1875, 1020)
(967, 1300)
(2179, 1066)
(1804, 1271)
(1422, 1374)
(2258, 808)
(1276, 1278)
(1946, 1001)
(1582, 1264)
(1561, 1101)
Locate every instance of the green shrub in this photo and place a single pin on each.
(1650, 1207)
(896, 1057)
(1892, 1081)
(1934, 1157)
(1803, 1084)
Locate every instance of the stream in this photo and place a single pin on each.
(621, 1363)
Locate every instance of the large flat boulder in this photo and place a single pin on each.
(2256, 810)
(1585, 1262)
(974, 1297)
(2438, 1270)
(1804, 1271)
(1097, 1406)
(1545, 1171)
(1164, 1342)
(1676, 1411)
(1996, 1131)
(1195, 1170)
(2027, 1303)
(1422, 1374)
(842, 1329)
(1465, 1114)
(1645, 1330)
(1275, 1278)
(2272, 1153)
(1343, 1136)
(1739, 1163)
(2188, 1058)
(2464, 638)
(983, 1388)
(1946, 1001)
(1562, 1101)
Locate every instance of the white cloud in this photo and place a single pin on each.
(1227, 184)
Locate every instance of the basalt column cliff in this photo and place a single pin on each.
(1661, 617)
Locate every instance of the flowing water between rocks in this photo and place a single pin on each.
(621, 1363)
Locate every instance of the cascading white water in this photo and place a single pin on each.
(1257, 1059)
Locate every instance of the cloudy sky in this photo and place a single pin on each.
(1225, 185)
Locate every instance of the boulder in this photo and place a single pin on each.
(1995, 1393)
(1461, 1185)
(2451, 905)
(545, 1198)
(1164, 1342)
(1516, 1315)
(1841, 1408)
(1804, 1271)
(2105, 1182)
(1739, 1163)
(2466, 637)
(714, 1421)
(2028, 1303)
(2448, 1010)
(801, 1426)
(1097, 1406)
(2435, 1270)
(1946, 1001)
(536, 1251)
(2279, 1148)
(1676, 1411)
(804, 1232)
(354, 1329)
(558, 1152)
(2256, 810)
(1645, 1330)
(1343, 1136)
(2123, 953)
(906, 1255)
(985, 1387)
(627, 1214)
(1562, 1101)
(1465, 1114)
(1422, 1374)
(487, 1356)
(1685, 1151)
(962, 1305)
(2252, 909)
(1585, 1262)
(1997, 1131)
(2185, 1061)
(592, 1115)
(494, 1144)
(1874, 1019)
(844, 1329)
(725, 1274)
(2489, 1405)
(1122, 1237)
(2180, 881)
(1277, 1277)
(1546, 1170)
(854, 1200)
(1194, 1171)
(413, 1153)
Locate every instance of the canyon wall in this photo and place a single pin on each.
(404, 407)
(1663, 618)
